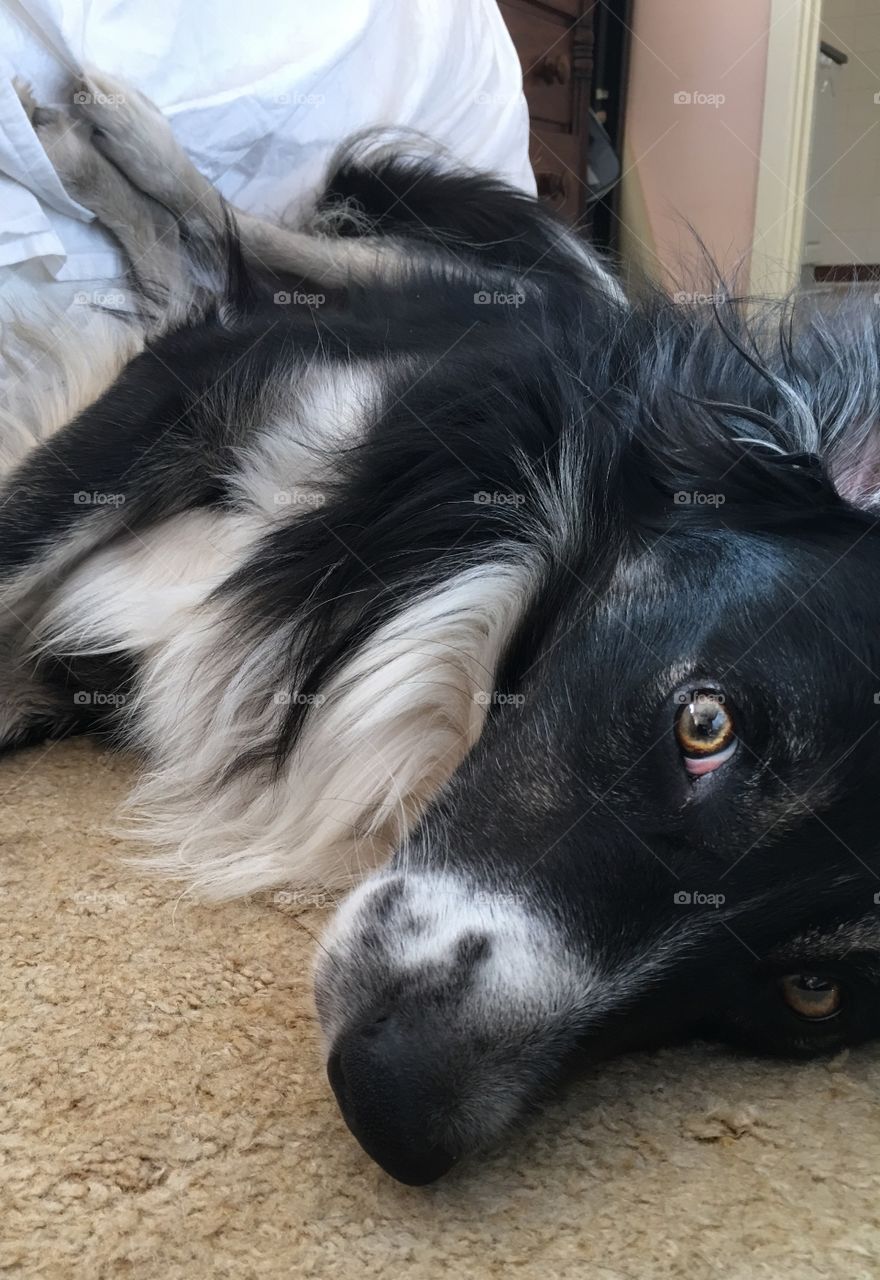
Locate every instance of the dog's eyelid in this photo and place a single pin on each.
(698, 768)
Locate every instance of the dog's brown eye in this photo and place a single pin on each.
(810, 995)
(705, 733)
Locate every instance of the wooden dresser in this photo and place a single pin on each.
(554, 41)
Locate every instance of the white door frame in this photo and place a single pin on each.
(780, 206)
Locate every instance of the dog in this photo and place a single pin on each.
(410, 549)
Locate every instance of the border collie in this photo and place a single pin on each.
(407, 544)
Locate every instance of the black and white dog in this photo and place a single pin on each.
(407, 541)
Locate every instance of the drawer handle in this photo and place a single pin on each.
(554, 70)
(551, 186)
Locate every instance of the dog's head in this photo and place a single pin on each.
(667, 826)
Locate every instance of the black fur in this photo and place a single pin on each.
(707, 533)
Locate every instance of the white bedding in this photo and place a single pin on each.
(259, 92)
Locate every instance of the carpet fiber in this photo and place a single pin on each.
(164, 1112)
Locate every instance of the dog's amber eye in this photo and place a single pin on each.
(705, 733)
(810, 995)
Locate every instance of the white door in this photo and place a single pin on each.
(819, 239)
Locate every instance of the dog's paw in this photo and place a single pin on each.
(40, 114)
(69, 143)
(26, 97)
(130, 131)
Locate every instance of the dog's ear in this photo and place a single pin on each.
(385, 732)
(770, 408)
(829, 370)
(853, 464)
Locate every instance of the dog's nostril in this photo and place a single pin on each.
(381, 1074)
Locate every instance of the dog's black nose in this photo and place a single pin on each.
(381, 1075)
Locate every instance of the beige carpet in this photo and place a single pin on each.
(164, 1111)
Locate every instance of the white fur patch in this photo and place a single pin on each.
(527, 970)
(136, 594)
(290, 463)
(383, 735)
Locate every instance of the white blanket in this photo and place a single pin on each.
(259, 92)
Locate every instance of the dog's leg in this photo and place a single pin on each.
(130, 458)
(148, 233)
(132, 133)
(60, 497)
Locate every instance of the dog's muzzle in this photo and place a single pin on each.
(381, 1075)
(445, 1007)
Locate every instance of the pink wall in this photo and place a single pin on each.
(697, 160)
